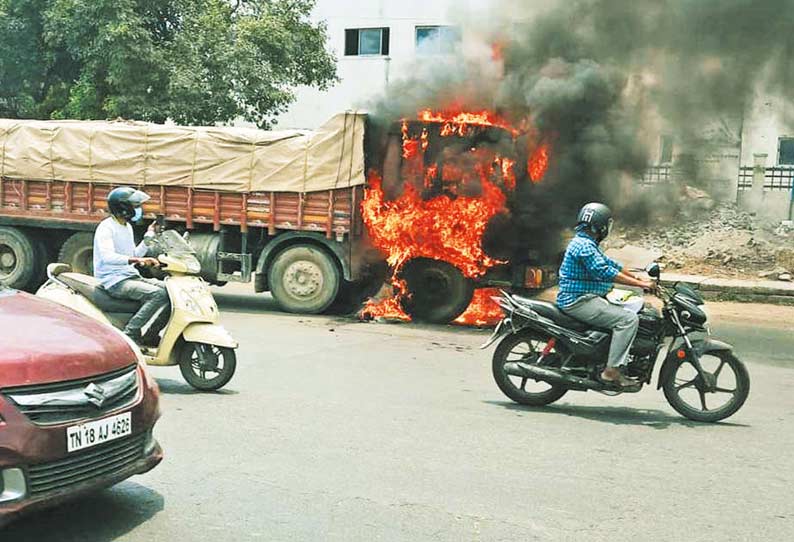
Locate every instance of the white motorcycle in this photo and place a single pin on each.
(193, 338)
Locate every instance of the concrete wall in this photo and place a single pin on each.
(765, 122)
(771, 204)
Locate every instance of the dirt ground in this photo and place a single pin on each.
(723, 241)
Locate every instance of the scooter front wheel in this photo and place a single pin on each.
(207, 367)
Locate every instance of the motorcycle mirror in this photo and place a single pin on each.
(653, 270)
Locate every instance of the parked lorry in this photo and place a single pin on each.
(281, 208)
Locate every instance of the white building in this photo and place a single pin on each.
(375, 41)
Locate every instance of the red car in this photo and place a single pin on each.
(77, 407)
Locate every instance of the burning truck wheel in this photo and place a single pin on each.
(438, 292)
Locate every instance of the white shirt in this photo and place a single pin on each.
(114, 245)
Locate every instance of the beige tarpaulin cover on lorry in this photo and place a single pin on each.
(216, 158)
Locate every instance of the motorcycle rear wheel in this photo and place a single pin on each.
(519, 347)
(675, 384)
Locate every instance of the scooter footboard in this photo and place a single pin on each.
(209, 334)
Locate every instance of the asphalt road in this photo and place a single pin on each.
(336, 430)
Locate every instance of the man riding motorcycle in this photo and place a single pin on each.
(116, 257)
(586, 276)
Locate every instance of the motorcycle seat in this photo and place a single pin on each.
(90, 287)
(551, 312)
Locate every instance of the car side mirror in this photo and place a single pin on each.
(653, 270)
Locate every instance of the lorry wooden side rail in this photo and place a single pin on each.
(329, 212)
(234, 233)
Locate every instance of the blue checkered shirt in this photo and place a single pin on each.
(585, 270)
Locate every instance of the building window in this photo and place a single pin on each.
(666, 149)
(366, 41)
(437, 39)
(785, 152)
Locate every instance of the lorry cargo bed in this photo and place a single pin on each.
(43, 202)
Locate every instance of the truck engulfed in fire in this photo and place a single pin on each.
(457, 171)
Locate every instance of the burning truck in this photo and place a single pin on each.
(318, 218)
(445, 182)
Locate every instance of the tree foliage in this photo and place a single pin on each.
(193, 61)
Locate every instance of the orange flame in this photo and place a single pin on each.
(482, 311)
(442, 228)
(538, 163)
(390, 307)
(450, 225)
(459, 122)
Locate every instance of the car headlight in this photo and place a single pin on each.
(12, 484)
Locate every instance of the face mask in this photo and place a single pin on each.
(137, 215)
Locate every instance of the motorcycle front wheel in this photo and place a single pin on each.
(710, 397)
(207, 367)
(524, 347)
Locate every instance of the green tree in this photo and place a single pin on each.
(193, 61)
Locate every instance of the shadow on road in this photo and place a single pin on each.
(102, 517)
(245, 302)
(655, 419)
(177, 387)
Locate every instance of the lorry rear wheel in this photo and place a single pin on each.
(18, 262)
(43, 258)
(78, 252)
(304, 279)
(207, 246)
(438, 291)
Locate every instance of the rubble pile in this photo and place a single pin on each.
(722, 241)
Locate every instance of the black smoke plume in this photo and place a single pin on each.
(599, 79)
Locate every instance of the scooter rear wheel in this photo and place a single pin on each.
(207, 367)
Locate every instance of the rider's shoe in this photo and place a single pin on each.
(616, 378)
(135, 336)
(150, 340)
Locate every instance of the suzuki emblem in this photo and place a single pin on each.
(95, 394)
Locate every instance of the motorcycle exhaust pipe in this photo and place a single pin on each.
(551, 376)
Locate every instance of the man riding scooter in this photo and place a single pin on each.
(586, 276)
(116, 257)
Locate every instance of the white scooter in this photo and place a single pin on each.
(193, 339)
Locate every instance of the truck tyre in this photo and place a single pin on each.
(207, 246)
(18, 261)
(43, 258)
(304, 279)
(78, 251)
(437, 291)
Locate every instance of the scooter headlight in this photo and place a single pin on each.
(193, 266)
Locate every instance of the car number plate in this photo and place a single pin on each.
(90, 434)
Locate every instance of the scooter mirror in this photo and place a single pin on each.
(654, 270)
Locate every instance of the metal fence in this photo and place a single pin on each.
(655, 175)
(775, 178)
